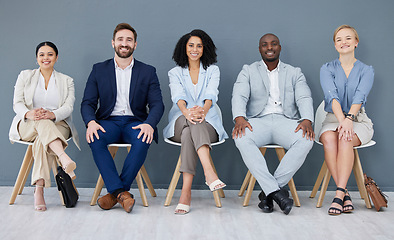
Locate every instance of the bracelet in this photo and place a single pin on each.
(350, 118)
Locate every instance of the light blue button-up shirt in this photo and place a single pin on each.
(346, 90)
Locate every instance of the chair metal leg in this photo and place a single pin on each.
(173, 183)
(280, 152)
(359, 174)
(319, 179)
(148, 183)
(249, 191)
(21, 175)
(244, 184)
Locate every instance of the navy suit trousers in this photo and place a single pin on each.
(118, 129)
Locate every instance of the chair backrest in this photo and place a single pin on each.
(319, 118)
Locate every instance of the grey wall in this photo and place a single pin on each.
(82, 31)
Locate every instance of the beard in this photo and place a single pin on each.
(270, 59)
(126, 54)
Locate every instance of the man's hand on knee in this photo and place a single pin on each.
(146, 132)
(93, 127)
(306, 126)
(240, 125)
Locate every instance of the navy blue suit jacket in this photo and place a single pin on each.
(145, 94)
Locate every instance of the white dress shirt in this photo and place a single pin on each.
(274, 105)
(46, 98)
(123, 81)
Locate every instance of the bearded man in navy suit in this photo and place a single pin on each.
(122, 103)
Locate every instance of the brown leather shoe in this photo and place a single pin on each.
(126, 200)
(107, 202)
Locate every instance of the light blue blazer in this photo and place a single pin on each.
(181, 87)
(251, 92)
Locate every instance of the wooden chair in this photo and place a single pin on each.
(177, 174)
(141, 175)
(325, 175)
(250, 181)
(24, 171)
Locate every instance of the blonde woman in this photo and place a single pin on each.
(346, 83)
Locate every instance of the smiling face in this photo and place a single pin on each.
(194, 48)
(269, 48)
(124, 43)
(46, 57)
(345, 41)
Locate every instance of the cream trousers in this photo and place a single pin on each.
(42, 133)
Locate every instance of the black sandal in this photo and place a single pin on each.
(349, 207)
(339, 201)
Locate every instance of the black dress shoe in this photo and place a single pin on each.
(282, 199)
(262, 196)
(266, 204)
(285, 192)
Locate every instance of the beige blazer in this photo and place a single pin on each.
(23, 100)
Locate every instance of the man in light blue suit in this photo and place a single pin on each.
(271, 102)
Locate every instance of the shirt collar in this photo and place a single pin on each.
(268, 71)
(127, 68)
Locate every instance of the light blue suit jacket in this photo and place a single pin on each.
(181, 87)
(251, 92)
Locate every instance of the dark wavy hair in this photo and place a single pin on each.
(209, 51)
(47, 43)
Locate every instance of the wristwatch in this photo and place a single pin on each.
(350, 116)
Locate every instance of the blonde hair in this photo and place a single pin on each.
(344, 27)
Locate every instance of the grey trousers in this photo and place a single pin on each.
(273, 129)
(192, 137)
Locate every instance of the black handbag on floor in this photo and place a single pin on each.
(66, 186)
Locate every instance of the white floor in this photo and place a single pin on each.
(205, 221)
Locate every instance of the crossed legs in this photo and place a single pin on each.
(49, 139)
(339, 157)
(196, 140)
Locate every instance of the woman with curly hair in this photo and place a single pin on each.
(195, 119)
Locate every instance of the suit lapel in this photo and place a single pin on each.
(112, 76)
(282, 81)
(188, 82)
(60, 86)
(264, 76)
(134, 80)
(201, 81)
(32, 88)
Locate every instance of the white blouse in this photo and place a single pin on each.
(46, 98)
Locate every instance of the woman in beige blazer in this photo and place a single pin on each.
(43, 103)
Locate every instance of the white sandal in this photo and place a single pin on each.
(185, 208)
(216, 185)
